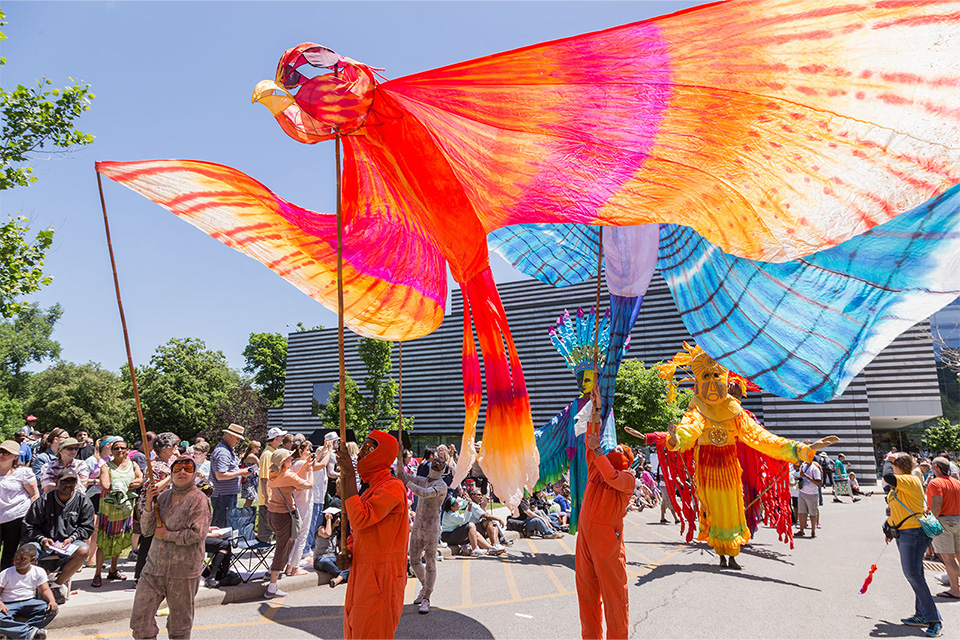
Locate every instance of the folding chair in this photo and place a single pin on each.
(250, 554)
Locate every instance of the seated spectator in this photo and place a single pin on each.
(61, 518)
(855, 486)
(562, 499)
(218, 573)
(488, 524)
(457, 530)
(532, 522)
(541, 505)
(18, 597)
(66, 458)
(325, 547)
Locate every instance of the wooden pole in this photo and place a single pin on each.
(400, 398)
(596, 330)
(345, 525)
(126, 339)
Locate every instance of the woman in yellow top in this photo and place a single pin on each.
(906, 503)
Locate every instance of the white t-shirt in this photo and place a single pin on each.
(14, 501)
(18, 587)
(813, 471)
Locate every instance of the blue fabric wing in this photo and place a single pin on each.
(803, 329)
(555, 442)
(555, 254)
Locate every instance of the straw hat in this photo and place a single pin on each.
(277, 458)
(234, 430)
(10, 447)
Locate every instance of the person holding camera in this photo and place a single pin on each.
(906, 504)
(808, 497)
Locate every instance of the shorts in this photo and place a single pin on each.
(948, 542)
(809, 504)
(43, 554)
(458, 536)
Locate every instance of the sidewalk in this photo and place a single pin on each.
(114, 600)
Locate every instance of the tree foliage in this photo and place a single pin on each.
(942, 436)
(375, 409)
(243, 405)
(38, 119)
(266, 359)
(641, 401)
(183, 385)
(75, 396)
(21, 263)
(23, 340)
(11, 415)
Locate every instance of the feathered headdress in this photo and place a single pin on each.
(573, 339)
(693, 359)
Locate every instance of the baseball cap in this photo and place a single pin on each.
(275, 432)
(68, 473)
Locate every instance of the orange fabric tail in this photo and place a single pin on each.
(509, 455)
(472, 397)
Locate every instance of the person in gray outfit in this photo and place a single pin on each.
(425, 532)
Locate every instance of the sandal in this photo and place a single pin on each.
(947, 594)
(97, 582)
(116, 575)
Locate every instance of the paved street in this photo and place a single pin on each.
(675, 591)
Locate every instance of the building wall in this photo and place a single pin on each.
(432, 379)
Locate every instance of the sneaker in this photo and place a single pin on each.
(211, 583)
(554, 535)
(838, 500)
(419, 597)
(495, 551)
(231, 580)
(856, 499)
(914, 621)
(476, 553)
(425, 608)
(275, 593)
(935, 630)
(61, 592)
(41, 634)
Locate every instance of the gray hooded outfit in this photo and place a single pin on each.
(425, 532)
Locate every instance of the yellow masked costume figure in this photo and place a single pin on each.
(704, 445)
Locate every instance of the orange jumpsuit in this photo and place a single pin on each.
(601, 567)
(380, 536)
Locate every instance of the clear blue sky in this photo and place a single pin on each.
(173, 80)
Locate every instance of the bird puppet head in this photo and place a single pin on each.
(313, 109)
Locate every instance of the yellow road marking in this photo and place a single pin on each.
(511, 583)
(465, 583)
(550, 574)
(409, 589)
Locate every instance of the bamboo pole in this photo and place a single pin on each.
(126, 340)
(344, 524)
(596, 331)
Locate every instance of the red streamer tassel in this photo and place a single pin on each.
(866, 583)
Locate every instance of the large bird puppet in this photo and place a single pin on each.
(762, 130)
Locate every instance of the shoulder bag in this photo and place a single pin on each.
(928, 523)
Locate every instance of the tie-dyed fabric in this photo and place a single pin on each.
(773, 128)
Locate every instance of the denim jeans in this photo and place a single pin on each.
(912, 544)
(220, 506)
(534, 525)
(326, 565)
(37, 618)
(314, 525)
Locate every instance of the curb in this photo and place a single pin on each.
(69, 617)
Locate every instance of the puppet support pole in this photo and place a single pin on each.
(126, 338)
(342, 391)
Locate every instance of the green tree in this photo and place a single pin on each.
(266, 359)
(641, 401)
(183, 385)
(21, 264)
(11, 415)
(243, 405)
(375, 409)
(37, 120)
(942, 436)
(75, 396)
(23, 340)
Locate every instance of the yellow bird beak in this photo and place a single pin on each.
(271, 95)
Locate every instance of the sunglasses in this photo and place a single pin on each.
(189, 467)
(118, 448)
(71, 448)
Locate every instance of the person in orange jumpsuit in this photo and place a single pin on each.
(601, 558)
(377, 547)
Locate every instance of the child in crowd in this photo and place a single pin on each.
(18, 597)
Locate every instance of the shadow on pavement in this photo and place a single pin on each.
(884, 629)
(543, 558)
(662, 571)
(757, 550)
(327, 622)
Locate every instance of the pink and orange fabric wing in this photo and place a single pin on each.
(774, 128)
(394, 278)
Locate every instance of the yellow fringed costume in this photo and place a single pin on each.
(711, 427)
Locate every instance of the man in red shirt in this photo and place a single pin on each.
(601, 559)
(943, 499)
(377, 546)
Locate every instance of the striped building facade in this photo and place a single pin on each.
(897, 389)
